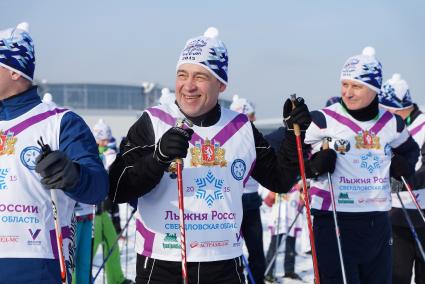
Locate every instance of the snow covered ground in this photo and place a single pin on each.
(303, 267)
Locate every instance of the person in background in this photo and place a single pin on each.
(83, 245)
(275, 139)
(395, 96)
(105, 233)
(251, 228)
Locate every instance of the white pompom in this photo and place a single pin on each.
(396, 77)
(47, 98)
(235, 98)
(165, 91)
(369, 51)
(24, 26)
(211, 32)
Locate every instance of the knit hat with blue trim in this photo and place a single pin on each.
(207, 51)
(395, 93)
(364, 69)
(17, 51)
(242, 105)
(102, 131)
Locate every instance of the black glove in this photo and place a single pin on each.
(173, 144)
(321, 162)
(57, 171)
(400, 167)
(299, 115)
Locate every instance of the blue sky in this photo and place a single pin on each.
(275, 47)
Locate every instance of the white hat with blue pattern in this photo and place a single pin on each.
(364, 69)
(207, 51)
(395, 93)
(17, 51)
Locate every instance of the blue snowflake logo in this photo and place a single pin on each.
(3, 175)
(209, 188)
(388, 150)
(369, 162)
(29, 156)
(238, 169)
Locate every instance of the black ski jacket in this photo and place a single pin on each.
(136, 172)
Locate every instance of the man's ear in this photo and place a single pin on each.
(222, 87)
(15, 75)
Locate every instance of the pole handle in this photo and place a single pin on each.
(297, 129)
(325, 145)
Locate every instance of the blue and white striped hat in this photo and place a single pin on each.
(207, 51)
(364, 69)
(17, 51)
(395, 93)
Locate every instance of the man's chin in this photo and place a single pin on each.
(191, 112)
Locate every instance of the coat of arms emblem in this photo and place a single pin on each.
(367, 140)
(207, 154)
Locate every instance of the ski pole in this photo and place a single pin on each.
(92, 243)
(415, 201)
(114, 245)
(297, 132)
(269, 266)
(179, 162)
(126, 244)
(412, 228)
(245, 263)
(46, 150)
(337, 231)
(277, 230)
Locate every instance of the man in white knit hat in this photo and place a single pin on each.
(371, 144)
(29, 174)
(220, 152)
(395, 97)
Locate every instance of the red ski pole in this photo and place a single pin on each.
(46, 150)
(179, 162)
(415, 201)
(297, 132)
(58, 233)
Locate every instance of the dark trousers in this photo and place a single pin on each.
(406, 256)
(289, 262)
(366, 246)
(154, 271)
(252, 231)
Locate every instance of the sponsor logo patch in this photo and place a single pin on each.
(209, 244)
(29, 155)
(34, 235)
(170, 241)
(343, 198)
(238, 169)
